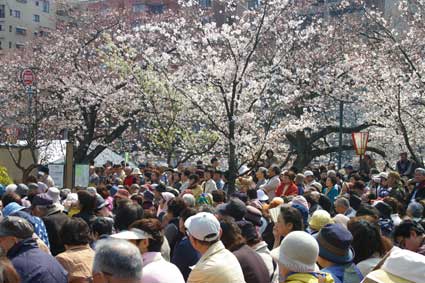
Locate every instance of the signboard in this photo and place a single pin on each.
(81, 175)
(56, 171)
(27, 77)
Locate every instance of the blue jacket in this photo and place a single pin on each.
(344, 273)
(35, 266)
(185, 256)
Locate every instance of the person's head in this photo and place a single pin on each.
(11, 197)
(117, 261)
(8, 273)
(287, 177)
(185, 175)
(217, 175)
(420, 175)
(203, 230)
(409, 235)
(334, 245)
(74, 232)
(249, 232)
(274, 170)
(101, 226)
(299, 179)
(415, 210)
(127, 213)
(151, 227)
(219, 196)
(290, 219)
(184, 215)
(367, 239)
(330, 181)
(319, 219)
(261, 173)
(341, 205)
(393, 179)
(214, 162)
(368, 210)
(208, 174)
(193, 180)
(231, 234)
(269, 153)
(87, 201)
(403, 156)
(14, 229)
(234, 208)
(297, 253)
(308, 176)
(175, 207)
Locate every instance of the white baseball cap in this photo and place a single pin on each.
(132, 234)
(203, 226)
(308, 173)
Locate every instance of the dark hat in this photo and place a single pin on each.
(100, 202)
(235, 208)
(253, 215)
(22, 190)
(335, 244)
(113, 190)
(303, 211)
(42, 199)
(16, 227)
(248, 230)
(384, 208)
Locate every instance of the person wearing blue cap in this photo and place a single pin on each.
(336, 254)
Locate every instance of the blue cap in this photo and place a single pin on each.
(2, 190)
(113, 190)
(11, 208)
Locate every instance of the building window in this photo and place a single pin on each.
(15, 13)
(21, 31)
(138, 8)
(19, 45)
(46, 6)
(1, 27)
(10, 28)
(36, 18)
(10, 45)
(2, 11)
(37, 3)
(205, 3)
(1, 47)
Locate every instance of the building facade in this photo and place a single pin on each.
(22, 20)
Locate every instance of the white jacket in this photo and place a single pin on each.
(217, 265)
(270, 187)
(209, 186)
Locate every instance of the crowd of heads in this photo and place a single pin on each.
(190, 224)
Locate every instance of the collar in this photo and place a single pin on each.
(214, 249)
(150, 257)
(22, 246)
(261, 245)
(79, 247)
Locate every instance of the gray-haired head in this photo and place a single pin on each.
(420, 171)
(118, 258)
(342, 202)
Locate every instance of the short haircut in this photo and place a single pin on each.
(154, 228)
(194, 177)
(127, 213)
(290, 175)
(187, 212)
(231, 234)
(218, 196)
(119, 258)
(214, 159)
(251, 193)
(87, 200)
(102, 226)
(176, 206)
(75, 231)
(368, 210)
(292, 215)
(187, 172)
(403, 230)
(275, 169)
(342, 202)
(11, 197)
(333, 180)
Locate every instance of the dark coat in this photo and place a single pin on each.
(253, 267)
(54, 223)
(34, 265)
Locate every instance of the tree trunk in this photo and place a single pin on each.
(232, 159)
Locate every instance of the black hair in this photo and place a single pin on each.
(403, 230)
(333, 180)
(231, 234)
(126, 213)
(187, 212)
(187, 172)
(214, 159)
(218, 196)
(276, 169)
(153, 227)
(75, 231)
(102, 226)
(176, 206)
(11, 197)
(292, 215)
(87, 201)
(367, 209)
(251, 193)
(194, 177)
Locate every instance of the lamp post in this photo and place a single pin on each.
(341, 120)
(360, 141)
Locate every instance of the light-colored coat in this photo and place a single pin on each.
(217, 265)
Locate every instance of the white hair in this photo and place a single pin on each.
(119, 258)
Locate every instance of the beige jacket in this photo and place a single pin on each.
(78, 261)
(217, 265)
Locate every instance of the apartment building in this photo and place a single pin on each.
(22, 20)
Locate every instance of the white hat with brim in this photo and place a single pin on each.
(132, 234)
(203, 226)
(262, 196)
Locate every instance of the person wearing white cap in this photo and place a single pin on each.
(147, 235)
(217, 265)
(297, 257)
(308, 180)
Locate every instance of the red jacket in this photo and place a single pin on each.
(290, 191)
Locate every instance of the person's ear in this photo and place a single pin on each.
(290, 226)
(98, 277)
(413, 234)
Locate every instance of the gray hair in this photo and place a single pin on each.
(420, 171)
(119, 258)
(342, 202)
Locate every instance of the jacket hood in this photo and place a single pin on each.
(309, 278)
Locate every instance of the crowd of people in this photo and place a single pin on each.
(187, 224)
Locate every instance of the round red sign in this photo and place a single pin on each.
(27, 77)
